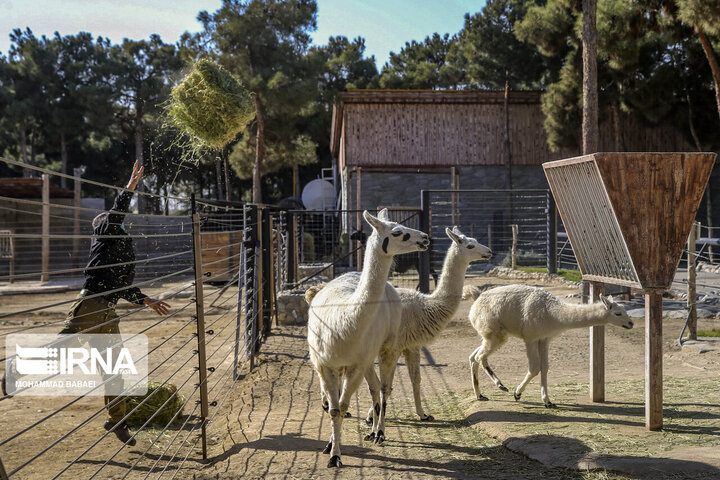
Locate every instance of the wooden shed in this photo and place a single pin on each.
(390, 144)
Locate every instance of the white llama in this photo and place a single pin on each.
(536, 316)
(425, 316)
(351, 317)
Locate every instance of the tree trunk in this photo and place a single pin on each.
(590, 133)
(712, 60)
(23, 148)
(218, 178)
(619, 147)
(167, 201)
(227, 177)
(506, 136)
(33, 140)
(259, 152)
(141, 199)
(63, 157)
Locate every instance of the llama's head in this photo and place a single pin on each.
(394, 238)
(616, 314)
(469, 248)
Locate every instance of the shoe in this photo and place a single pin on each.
(121, 432)
(3, 382)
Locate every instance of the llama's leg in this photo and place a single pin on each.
(490, 344)
(412, 360)
(544, 366)
(353, 377)
(374, 386)
(388, 362)
(533, 354)
(474, 371)
(330, 386)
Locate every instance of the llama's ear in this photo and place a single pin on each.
(384, 215)
(456, 230)
(453, 236)
(374, 222)
(606, 301)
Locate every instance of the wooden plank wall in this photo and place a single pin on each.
(452, 134)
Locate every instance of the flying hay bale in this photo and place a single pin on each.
(153, 403)
(210, 106)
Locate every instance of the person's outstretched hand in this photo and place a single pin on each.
(159, 306)
(135, 176)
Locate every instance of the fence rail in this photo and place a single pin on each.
(209, 265)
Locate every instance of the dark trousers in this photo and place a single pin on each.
(97, 315)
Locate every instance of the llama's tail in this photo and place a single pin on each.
(312, 291)
(472, 292)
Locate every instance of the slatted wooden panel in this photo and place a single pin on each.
(590, 222)
(218, 257)
(648, 199)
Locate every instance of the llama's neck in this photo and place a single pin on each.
(424, 321)
(452, 277)
(572, 315)
(371, 286)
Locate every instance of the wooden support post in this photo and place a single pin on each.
(653, 360)
(597, 350)
(358, 207)
(45, 249)
(424, 257)
(200, 324)
(513, 252)
(77, 200)
(691, 281)
(490, 239)
(453, 204)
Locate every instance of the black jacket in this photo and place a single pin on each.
(106, 250)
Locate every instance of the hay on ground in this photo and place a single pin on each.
(154, 399)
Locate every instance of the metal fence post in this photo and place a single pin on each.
(551, 234)
(252, 284)
(200, 322)
(292, 244)
(241, 284)
(266, 269)
(691, 282)
(424, 265)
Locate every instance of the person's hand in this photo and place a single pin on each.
(135, 176)
(159, 306)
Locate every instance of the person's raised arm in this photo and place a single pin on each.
(122, 202)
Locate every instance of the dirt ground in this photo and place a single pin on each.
(174, 344)
(272, 425)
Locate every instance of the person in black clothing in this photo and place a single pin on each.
(93, 313)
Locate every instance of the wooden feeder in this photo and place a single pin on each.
(627, 216)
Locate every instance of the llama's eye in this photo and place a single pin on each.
(396, 234)
(470, 246)
(618, 314)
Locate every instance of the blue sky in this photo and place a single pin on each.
(385, 24)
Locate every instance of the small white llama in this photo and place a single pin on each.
(425, 316)
(352, 315)
(536, 316)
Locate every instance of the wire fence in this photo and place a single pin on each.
(207, 264)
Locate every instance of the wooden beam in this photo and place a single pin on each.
(597, 350)
(653, 360)
(45, 249)
(358, 207)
